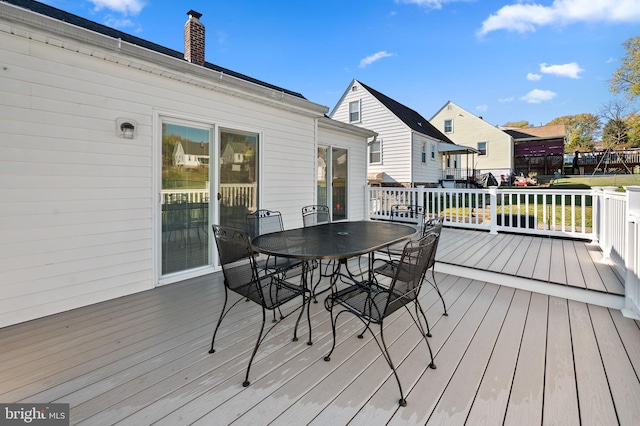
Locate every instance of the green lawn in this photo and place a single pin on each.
(586, 182)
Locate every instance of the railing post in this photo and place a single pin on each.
(596, 212)
(493, 206)
(420, 200)
(605, 230)
(632, 261)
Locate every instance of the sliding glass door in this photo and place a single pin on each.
(238, 192)
(186, 150)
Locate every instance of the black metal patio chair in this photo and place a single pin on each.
(315, 215)
(393, 253)
(373, 303)
(264, 222)
(241, 276)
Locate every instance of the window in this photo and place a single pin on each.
(433, 151)
(354, 111)
(448, 126)
(482, 147)
(424, 153)
(375, 152)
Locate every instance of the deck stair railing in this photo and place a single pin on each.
(602, 215)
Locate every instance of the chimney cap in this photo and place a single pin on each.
(195, 14)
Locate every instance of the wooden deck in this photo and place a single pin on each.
(504, 355)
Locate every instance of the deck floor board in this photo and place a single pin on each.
(503, 355)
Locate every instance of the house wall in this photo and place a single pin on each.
(80, 206)
(430, 171)
(395, 136)
(468, 130)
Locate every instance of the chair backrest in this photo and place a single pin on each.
(237, 260)
(315, 215)
(432, 225)
(407, 211)
(413, 264)
(263, 222)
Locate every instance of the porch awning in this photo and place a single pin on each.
(449, 147)
(375, 177)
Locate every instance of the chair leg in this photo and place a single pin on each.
(387, 356)
(435, 285)
(222, 315)
(255, 349)
(417, 322)
(419, 312)
(328, 304)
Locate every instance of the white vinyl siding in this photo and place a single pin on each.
(80, 209)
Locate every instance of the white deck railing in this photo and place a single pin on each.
(612, 219)
(537, 212)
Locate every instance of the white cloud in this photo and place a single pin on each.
(118, 22)
(526, 17)
(533, 77)
(506, 100)
(571, 70)
(127, 7)
(482, 108)
(537, 96)
(432, 4)
(375, 57)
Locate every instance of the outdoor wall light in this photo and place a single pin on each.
(126, 128)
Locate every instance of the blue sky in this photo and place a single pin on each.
(505, 60)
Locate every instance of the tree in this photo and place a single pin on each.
(615, 134)
(626, 78)
(581, 130)
(517, 124)
(634, 130)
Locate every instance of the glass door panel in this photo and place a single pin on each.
(238, 193)
(339, 168)
(321, 185)
(185, 197)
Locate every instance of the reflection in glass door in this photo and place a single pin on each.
(185, 197)
(339, 167)
(238, 193)
(333, 164)
(321, 185)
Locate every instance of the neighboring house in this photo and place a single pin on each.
(408, 150)
(93, 208)
(502, 151)
(191, 154)
(495, 147)
(538, 150)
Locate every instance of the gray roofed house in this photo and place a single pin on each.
(408, 150)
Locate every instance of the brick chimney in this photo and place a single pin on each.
(194, 39)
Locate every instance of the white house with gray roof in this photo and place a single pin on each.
(408, 150)
(93, 206)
